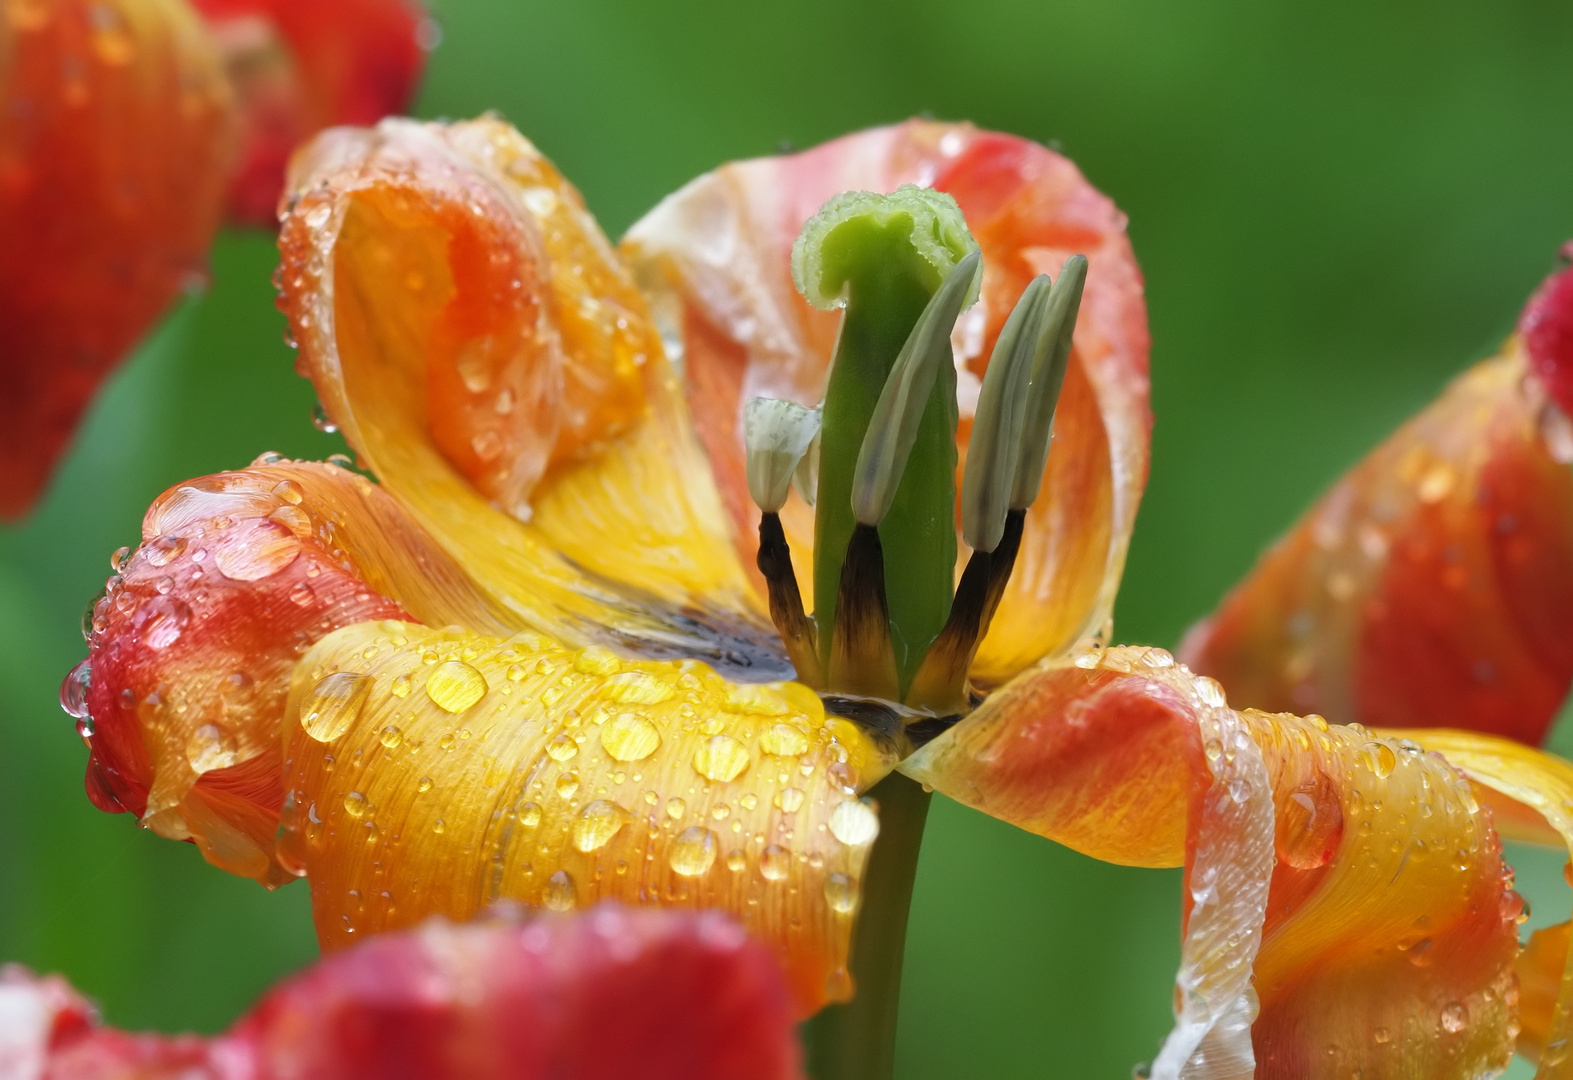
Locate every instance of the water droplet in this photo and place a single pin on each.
(721, 758)
(596, 824)
(301, 594)
(783, 740)
(1455, 1018)
(629, 737)
(73, 693)
(562, 748)
(597, 661)
(559, 893)
(568, 784)
(693, 852)
(637, 688)
(334, 704)
(1379, 758)
(391, 737)
(117, 561)
(789, 799)
(1382, 1035)
(341, 461)
(288, 491)
(774, 863)
(162, 619)
(854, 823)
(424, 785)
(841, 893)
(529, 815)
(256, 553)
(163, 550)
(209, 747)
(736, 861)
(455, 686)
(355, 805)
(321, 420)
(294, 519)
(676, 808)
(400, 687)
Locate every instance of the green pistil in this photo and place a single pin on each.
(885, 255)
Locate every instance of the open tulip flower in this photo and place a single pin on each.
(563, 651)
(124, 127)
(604, 995)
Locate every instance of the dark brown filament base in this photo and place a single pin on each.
(862, 658)
(786, 601)
(940, 684)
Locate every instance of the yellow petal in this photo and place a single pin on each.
(1521, 785)
(1387, 939)
(477, 769)
(473, 335)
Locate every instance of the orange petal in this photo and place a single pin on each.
(193, 643)
(1387, 939)
(114, 145)
(1432, 585)
(467, 770)
(476, 339)
(715, 260)
(299, 66)
(1522, 783)
(609, 995)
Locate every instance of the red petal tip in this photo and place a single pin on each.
(1547, 328)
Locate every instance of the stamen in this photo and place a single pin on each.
(786, 601)
(776, 435)
(893, 426)
(995, 448)
(862, 657)
(1048, 375)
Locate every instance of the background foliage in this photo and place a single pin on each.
(1337, 207)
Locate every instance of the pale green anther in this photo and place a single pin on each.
(805, 478)
(1048, 375)
(995, 448)
(893, 427)
(776, 434)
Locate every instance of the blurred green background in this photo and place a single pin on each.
(1337, 206)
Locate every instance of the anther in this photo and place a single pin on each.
(1048, 375)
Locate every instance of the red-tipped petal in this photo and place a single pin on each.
(299, 66)
(1547, 327)
(115, 134)
(606, 996)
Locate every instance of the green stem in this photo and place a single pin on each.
(857, 1041)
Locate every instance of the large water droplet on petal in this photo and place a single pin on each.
(841, 893)
(596, 824)
(774, 862)
(73, 691)
(629, 737)
(783, 740)
(455, 686)
(693, 852)
(720, 758)
(254, 554)
(334, 704)
(854, 823)
(559, 893)
(210, 747)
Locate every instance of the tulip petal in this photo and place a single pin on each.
(193, 643)
(1520, 783)
(114, 146)
(475, 769)
(608, 995)
(715, 260)
(299, 66)
(473, 335)
(1433, 584)
(1389, 930)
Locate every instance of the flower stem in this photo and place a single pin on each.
(857, 1041)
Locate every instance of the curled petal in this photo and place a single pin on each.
(466, 770)
(1387, 937)
(1433, 584)
(299, 66)
(193, 642)
(611, 994)
(475, 338)
(715, 260)
(114, 145)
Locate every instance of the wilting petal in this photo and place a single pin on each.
(299, 66)
(1531, 792)
(115, 136)
(473, 334)
(715, 260)
(1432, 585)
(1389, 932)
(608, 995)
(193, 643)
(469, 770)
